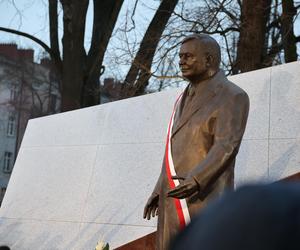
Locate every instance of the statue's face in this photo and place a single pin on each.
(192, 61)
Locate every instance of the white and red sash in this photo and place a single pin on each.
(180, 204)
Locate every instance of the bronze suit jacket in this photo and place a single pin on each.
(205, 140)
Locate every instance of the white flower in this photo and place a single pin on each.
(100, 245)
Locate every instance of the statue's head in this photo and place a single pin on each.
(200, 57)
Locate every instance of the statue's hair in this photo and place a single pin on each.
(209, 44)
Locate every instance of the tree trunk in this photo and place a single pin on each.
(81, 72)
(53, 34)
(140, 71)
(73, 52)
(287, 31)
(105, 12)
(252, 41)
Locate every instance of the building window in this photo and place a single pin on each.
(11, 124)
(14, 93)
(7, 162)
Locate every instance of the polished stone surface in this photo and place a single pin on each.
(21, 234)
(78, 128)
(284, 158)
(257, 84)
(285, 101)
(50, 183)
(252, 163)
(130, 183)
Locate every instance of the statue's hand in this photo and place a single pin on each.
(151, 206)
(186, 188)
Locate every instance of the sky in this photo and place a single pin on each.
(31, 18)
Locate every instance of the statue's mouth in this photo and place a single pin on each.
(184, 69)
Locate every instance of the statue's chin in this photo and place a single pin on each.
(185, 74)
(187, 77)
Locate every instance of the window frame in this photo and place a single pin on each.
(7, 162)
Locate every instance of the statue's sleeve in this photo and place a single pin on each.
(229, 129)
(157, 187)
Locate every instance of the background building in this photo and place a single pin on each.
(110, 90)
(27, 90)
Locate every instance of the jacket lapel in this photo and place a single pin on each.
(179, 107)
(203, 95)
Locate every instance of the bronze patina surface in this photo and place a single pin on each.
(208, 127)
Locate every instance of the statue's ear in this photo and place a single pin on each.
(209, 60)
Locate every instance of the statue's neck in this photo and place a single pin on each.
(202, 78)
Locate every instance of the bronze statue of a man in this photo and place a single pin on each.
(204, 136)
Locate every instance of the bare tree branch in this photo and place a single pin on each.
(132, 15)
(33, 38)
